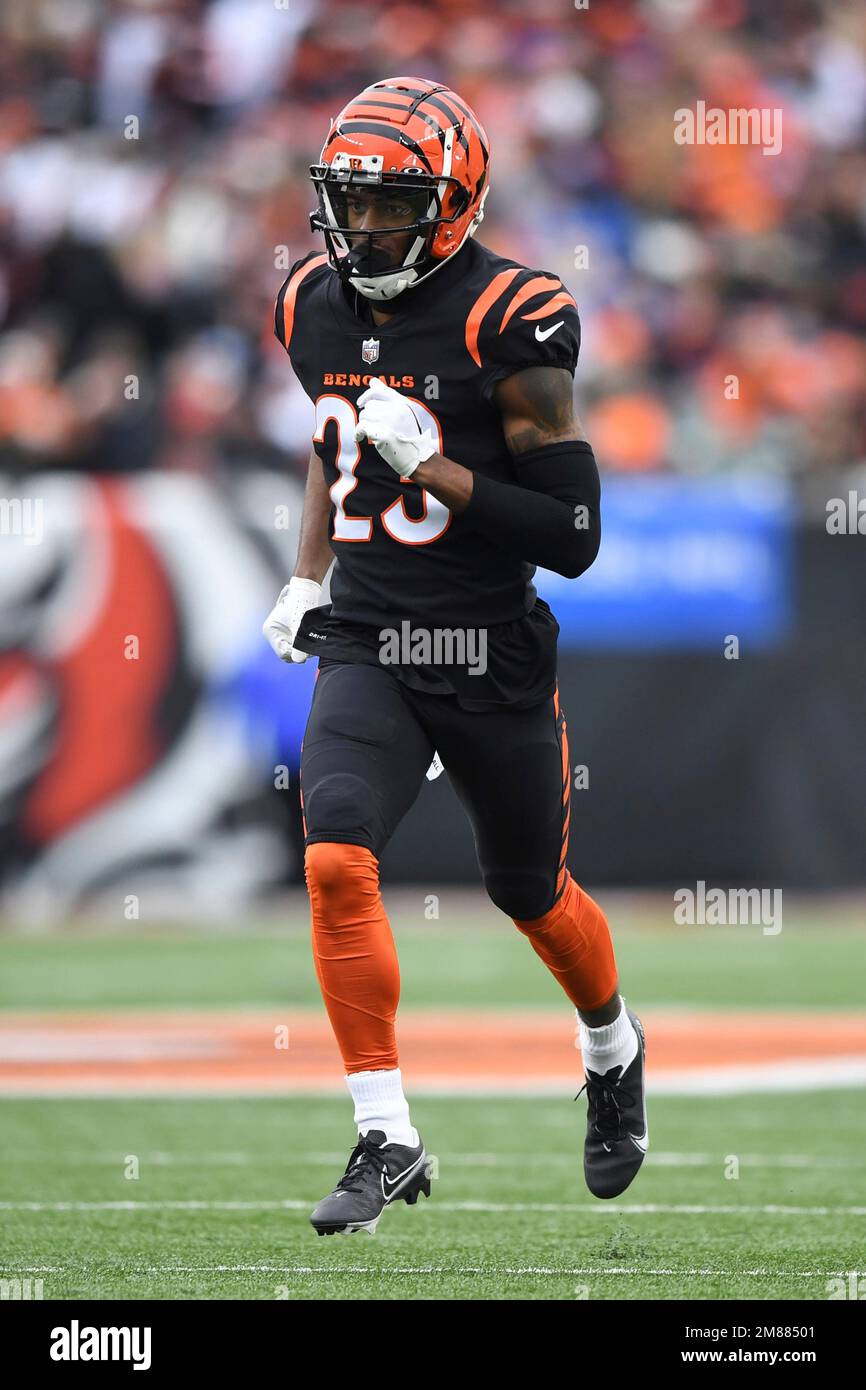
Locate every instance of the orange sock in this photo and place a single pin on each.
(574, 941)
(354, 953)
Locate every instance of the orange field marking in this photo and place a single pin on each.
(449, 1051)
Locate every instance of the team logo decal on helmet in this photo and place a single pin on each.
(416, 137)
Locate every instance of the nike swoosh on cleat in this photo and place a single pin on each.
(643, 1143)
(547, 331)
(388, 1187)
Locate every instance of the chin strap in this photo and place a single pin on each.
(383, 292)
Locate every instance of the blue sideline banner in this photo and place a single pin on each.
(684, 562)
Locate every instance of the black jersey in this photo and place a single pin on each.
(402, 557)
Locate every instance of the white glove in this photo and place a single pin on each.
(388, 421)
(284, 619)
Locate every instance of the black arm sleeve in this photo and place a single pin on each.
(552, 517)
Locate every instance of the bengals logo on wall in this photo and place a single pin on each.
(108, 694)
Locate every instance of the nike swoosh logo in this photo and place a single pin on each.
(643, 1143)
(389, 1186)
(547, 332)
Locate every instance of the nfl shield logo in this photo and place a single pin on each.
(370, 349)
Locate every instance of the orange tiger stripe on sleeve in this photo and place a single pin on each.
(528, 291)
(498, 285)
(558, 301)
(290, 294)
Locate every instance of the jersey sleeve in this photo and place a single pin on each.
(523, 319)
(285, 316)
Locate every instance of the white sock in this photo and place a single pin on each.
(380, 1104)
(613, 1045)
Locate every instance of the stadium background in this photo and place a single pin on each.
(153, 191)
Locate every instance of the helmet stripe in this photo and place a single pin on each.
(432, 97)
(440, 104)
(432, 122)
(386, 105)
(412, 92)
(385, 132)
(427, 117)
(424, 97)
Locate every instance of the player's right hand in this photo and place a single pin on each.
(284, 619)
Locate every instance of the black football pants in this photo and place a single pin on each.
(368, 744)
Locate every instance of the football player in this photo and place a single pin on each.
(447, 463)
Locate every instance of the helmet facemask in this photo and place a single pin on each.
(366, 260)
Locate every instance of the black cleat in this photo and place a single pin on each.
(617, 1134)
(377, 1174)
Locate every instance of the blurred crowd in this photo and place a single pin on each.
(154, 188)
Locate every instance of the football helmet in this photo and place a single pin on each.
(417, 137)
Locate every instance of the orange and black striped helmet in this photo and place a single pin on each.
(415, 137)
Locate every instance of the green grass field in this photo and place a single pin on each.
(220, 1206)
(819, 962)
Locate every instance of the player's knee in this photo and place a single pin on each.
(338, 872)
(325, 866)
(518, 893)
(340, 804)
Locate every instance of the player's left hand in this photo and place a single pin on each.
(388, 421)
